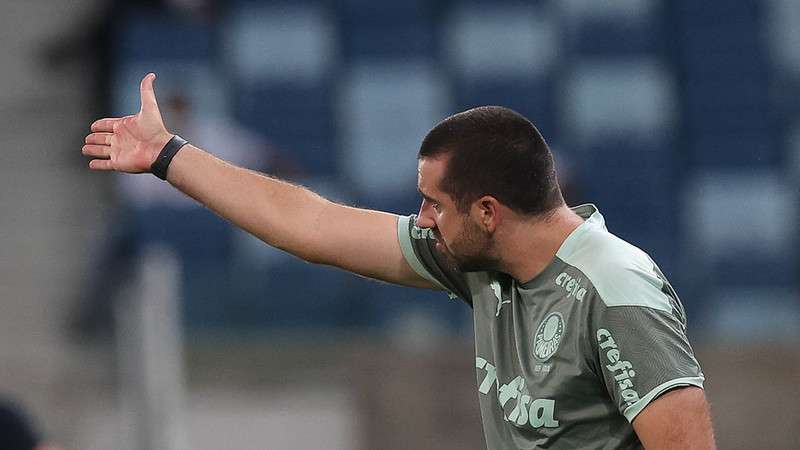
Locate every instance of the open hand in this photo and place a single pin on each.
(131, 143)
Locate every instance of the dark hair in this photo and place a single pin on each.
(494, 151)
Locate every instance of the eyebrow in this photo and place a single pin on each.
(427, 197)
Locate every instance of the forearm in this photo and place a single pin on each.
(281, 214)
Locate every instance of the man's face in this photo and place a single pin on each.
(459, 237)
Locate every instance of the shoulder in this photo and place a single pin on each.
(621, 273)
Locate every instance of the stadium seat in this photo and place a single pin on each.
(628, 98)
(280, 57)
(387, 30)
(296, 118)
(740, 150)
(501, 42)
(533, 98)
(155, 35)
(505, 54)
(293, 295)
(279, 43)
(793, 151)
(754, 314)
(629, 28)
(740, 214)
(202, 242)
(783, 36)
(385, 110)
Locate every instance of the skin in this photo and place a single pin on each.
(677, 420)
(489, 236)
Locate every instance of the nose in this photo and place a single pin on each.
(424, 217)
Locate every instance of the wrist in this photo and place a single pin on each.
(161, 164)
(157, 145)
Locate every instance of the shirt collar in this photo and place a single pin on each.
(593, 221)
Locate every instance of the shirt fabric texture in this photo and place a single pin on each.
(569, 358)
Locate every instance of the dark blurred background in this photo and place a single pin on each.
(131, 318)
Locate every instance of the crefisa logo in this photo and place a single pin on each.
(571, 285)
(548, 336)
(622, 370)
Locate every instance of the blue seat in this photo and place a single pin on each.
(202, 243)
(155, 35)
(411, 40)
(297, 118)
(500, 42)
(610, 38)
(627, 98)
(294, 295)
(732, 213)
(279, 43)
(740, 150)
(193, 233)
(387, 29)
(702, 14)
(533, 98)
(754, 270)
(385, 109)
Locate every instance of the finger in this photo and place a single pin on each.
(99, 138)
(97, 151)
(105, 125)
(100, 164)
(148, 94)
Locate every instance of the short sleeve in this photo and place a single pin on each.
(419, 249)
(642, 352)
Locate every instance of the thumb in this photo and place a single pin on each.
(149, 104)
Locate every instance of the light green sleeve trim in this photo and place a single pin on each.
(408, 251)
(632, 411)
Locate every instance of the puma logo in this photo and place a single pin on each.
(498, 292)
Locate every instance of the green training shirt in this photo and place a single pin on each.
(568, 359)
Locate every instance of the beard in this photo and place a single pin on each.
(470, 251)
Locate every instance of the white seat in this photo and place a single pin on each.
(782, 28)
(501, 42)
(386, 109)
(279, 44)
(631, 98)
(755, 314)
(748, 213)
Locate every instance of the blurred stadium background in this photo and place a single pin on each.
(679, 119)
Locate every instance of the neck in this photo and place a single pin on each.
(530, 246)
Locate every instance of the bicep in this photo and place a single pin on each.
(366, 242)
(677, 419)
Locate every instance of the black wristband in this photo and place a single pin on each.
(161, 164)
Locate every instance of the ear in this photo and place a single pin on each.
(488, 212)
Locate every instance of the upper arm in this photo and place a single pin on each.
(365, 242)
(678, 419)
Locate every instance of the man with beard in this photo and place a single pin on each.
(580, 339)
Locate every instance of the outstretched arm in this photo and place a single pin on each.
(279, 213)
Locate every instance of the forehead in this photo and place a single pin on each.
(429, 172)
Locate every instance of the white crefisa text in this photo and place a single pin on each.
(535, 412)
(622, 370)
